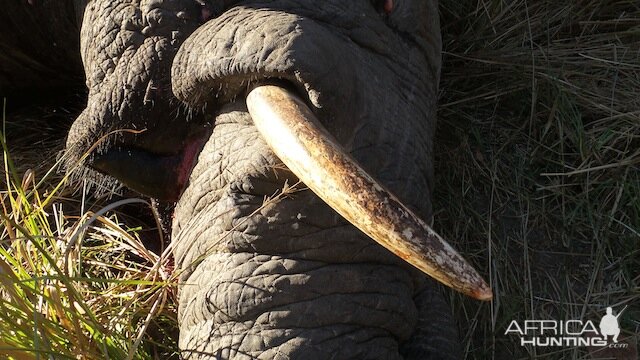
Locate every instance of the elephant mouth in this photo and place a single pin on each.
(302, 143)
(164, 176)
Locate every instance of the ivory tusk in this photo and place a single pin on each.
(311, 153)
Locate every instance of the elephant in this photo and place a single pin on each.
(292, 138)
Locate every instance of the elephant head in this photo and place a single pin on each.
(269, 268)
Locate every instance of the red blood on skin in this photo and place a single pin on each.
(189, 158)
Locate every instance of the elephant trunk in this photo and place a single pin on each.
(274, 278)
(286, 276)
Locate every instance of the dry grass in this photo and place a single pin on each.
(538, 162)
(74, 286)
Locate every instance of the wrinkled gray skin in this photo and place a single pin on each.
(289, 278)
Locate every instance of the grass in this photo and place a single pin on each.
(538, 183)
(76, 286)
(538, 163)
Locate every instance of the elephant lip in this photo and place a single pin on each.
(160, 176)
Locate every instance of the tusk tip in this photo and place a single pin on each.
(482, 293)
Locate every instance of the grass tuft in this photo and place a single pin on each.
(76, 287)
